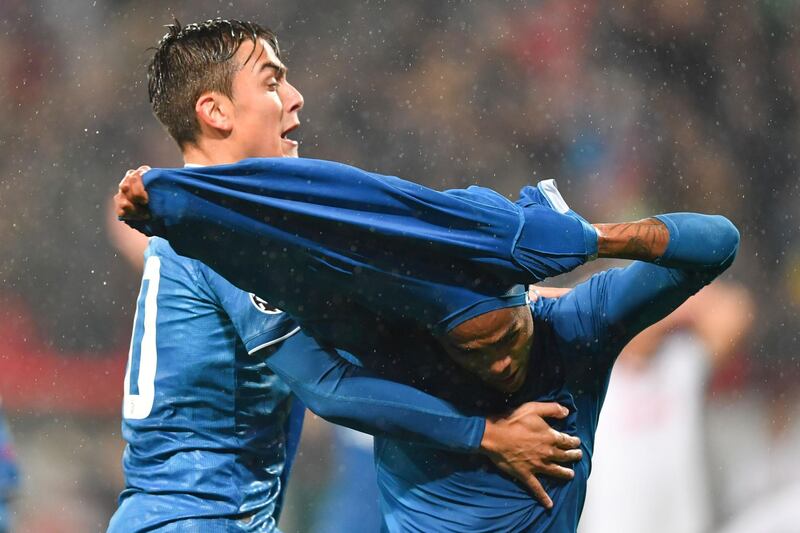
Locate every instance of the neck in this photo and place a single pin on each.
(211, 152)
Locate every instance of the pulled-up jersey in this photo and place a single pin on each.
(314, 237)
(576, 340)
(371, 264)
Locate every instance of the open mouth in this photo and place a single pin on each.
(288, 131)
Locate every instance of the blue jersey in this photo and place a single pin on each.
(202, 414)
(209, 440)
(219, 215)
(425, 489)
(319, 239)
(576, 340)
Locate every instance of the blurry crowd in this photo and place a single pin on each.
(635, 108)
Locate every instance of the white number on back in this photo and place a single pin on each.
(140, 376)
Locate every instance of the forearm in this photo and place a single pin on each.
(643, 240)
(680, 240)
(354, 397)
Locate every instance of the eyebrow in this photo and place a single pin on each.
(510, 334)
(280, 70)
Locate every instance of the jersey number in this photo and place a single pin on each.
(140, 376)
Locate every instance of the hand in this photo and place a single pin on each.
(130, 203)
(535, 292)
(522, 445)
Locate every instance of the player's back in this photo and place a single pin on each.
(204, 420)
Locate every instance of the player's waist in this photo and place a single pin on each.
(141, 511)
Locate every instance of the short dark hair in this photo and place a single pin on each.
(191, 60)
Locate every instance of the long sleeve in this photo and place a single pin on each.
(380, 237)
(333, 387)
(700, 248)
(594, 321)
(346, 394)
(613, 306)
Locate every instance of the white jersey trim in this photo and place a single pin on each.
(550, 190)
(274, 341)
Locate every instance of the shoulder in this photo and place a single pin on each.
(578, 317)
(169, 258)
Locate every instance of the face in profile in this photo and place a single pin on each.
(265, 105)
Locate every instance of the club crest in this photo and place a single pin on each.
(263, 305)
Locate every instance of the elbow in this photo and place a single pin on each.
(313, 403)
(724, 240)
(320, 406)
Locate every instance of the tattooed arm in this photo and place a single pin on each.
(689, 241)
(643, 240)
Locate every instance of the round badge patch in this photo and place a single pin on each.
(263, 305)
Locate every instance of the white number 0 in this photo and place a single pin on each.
(143, 355)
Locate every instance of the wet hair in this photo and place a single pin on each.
(194, 59)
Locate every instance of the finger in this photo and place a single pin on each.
(557, 471)
(538, 491)
(123, 181)
(533, 294)
(121, 205)
(125, 210)
(566, 442)
(552, 292)
(137, 191)
(142, 169)
(549, 409)
(565, 456)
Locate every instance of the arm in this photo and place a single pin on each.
(475, 229)
(700, 247)
(644, 240)
(681, 240)
(721, 314)
(521, 443)
(535, 238)
(352, 396)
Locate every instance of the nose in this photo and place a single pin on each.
(501, 368)
(293, 100)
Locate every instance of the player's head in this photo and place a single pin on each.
(495, 345)
(223, 81)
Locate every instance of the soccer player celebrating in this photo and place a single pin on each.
(398, 274)
(205, 413)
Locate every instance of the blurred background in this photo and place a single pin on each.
(635, 108)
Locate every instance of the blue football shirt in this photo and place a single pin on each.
(576, 341)
(203, 416)
(314, 236)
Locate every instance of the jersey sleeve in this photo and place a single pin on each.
(346, 394)
(614, 306)
(258, 323)
(357, 217)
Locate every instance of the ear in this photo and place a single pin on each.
(215, 111)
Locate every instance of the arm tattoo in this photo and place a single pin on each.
(644, 240)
